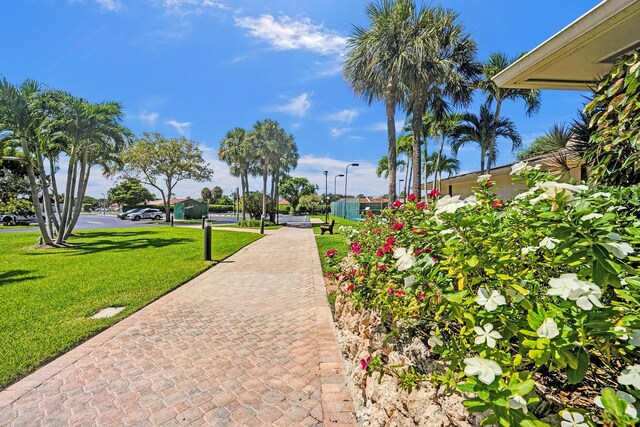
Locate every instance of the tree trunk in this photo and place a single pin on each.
(482, 154)
(85, 171)
(67, 194)
(245, 189)
(416, 128)
(167, 202)
(46, 197)
(437, 172)
(391, 100)
(56, 194)
(492, 145)
(46, 238)
(265, 175)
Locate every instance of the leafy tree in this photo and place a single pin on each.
(129, 192)
(481, 130)
(164, 162)
(216, 194)
(225, 200)
(310, 203)
(16, 206)
(13, 174)
(497, 62)
(206, 195)
(254, 205)
(90, 203)
(293, 189)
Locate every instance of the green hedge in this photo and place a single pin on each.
(251, 223)
(220, 208)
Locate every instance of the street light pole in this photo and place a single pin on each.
(346, 177)
(326, 211)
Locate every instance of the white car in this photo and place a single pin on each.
(147, 213)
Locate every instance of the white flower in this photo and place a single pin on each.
(448, 204)
(548, 329)
(490, 302)
(518, 402)
(601, 194)
(553, 189)
(566, 286)
(619, 249)
(447, 231)
(548, 242)
(487, 334)
(486, 370)
(434, 340)
(615, 208)
(593, 215)
(405, 258)
(630, 410)
(528, 249)
(520, 167)
(483, 178)
(572, 419)
(625, 335)
(590, 296)
(408, 281)
(471, 201)
(634, 337)
(630, 376)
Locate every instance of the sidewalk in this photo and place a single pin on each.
(249, 342)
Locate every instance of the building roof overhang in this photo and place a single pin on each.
(581, 52)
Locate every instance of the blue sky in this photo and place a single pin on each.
(201, 67)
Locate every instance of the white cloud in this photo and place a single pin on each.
(148, 118)
(185, 7)
(338, 132)
(285, 33)
(111, 5)
(357, 138)
(382, 126)
(181, 127)
(345, 116)
(297, 106)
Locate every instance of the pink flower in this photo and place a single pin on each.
(380, 253)
(421, 205)
(489, 183)
(412, 197)
(355, 248)
(417, 251)
(433, 193)
(400, 293)
(391, 241)
(421, 296)
(434, 259)
(390, 291)
(397, 204)
(328, 276)
(497, 204)
(398, 226)
(381, 267)
(331, 252)
(364, 363)
(350, 287)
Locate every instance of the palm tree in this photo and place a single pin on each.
(497, 62)
(442, 66)
(436, 164)
(442, 125)
(236, 151)
(286, 158)
(374, 60)
(480, 129)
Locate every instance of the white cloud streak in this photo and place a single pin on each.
(298, 106)
(285, 33)
(111, 5)
(344, 116)
(148, 118)
(338, 132)
(181, 127)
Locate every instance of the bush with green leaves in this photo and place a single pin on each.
(16, 206)
(532, 303)
(614, 149)
(253, 223)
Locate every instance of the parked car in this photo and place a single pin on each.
(123, 215)
(13, 219)
(147, 213)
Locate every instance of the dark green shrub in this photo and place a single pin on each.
(220, 208)
(614, 150)
(15, 206)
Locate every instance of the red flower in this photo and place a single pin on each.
(350, 287)
(434, 259)
(380, 253)
(387, 248)
(382, 267)
(390, 291)
(355, 248)
(397, 204)
(421, 296)
(417, 251)
(398, 226)
(497, 204)
(421, 205)
(364, 363)
(377, 231)
(369, 214)
(489, 183)
(418, 231)
(433, 193)
(328, 276)
(330, 253)
(391, 241)
(412, 197)
(428, 250)
(400, 293)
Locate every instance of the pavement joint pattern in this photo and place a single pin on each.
(249, 342)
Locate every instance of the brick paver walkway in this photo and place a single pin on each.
(249, 342)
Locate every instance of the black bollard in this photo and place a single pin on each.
(207, 242)
(262, 224)
(204, 218)
(171, 220)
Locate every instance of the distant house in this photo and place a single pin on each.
(283, 202)
(557, 163)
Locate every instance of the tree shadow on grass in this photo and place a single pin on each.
(17, 276)
(101, 241)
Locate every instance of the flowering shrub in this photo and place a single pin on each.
(527, 299)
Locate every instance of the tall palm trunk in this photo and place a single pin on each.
(416, 127)
(265, 176)
(426, 170)
(492, 142)
(56, 195)
(34, 195)
(83, 181)
(67, 195)
(244, 181)
(437, 168)
(407, 170)
(391, 102)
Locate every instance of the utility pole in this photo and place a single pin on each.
(326, 210)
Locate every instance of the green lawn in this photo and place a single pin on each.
(47, 294)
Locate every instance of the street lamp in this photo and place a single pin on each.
(326, 211)
(346, 177)
(335, 190)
